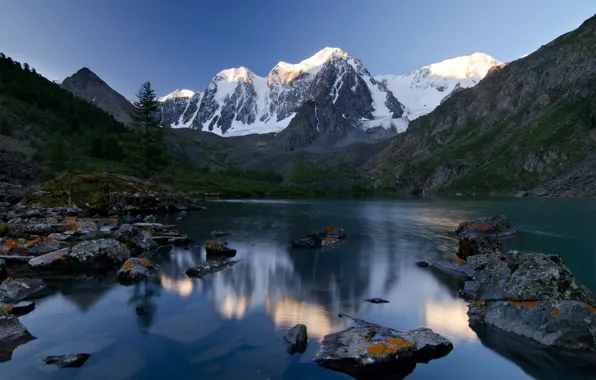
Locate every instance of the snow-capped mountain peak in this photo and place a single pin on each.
(287, 72)
(177, 94)
(421, 91)
(237, 74)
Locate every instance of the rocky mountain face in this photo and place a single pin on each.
(86, 85)
(238, 102)
(526, 125)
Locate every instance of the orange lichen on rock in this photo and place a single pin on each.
(390, 346)
(5, 308)
(71, 218)
(212, 244)
(53, 220)
(479, 302)
(482, 227)
(556, 313)
(12, 244)
(460, 261)
(48, 240)
(591, 308)
(145, 261)
(330, 229)
(525, 303)
(32, 243)
(111, 220)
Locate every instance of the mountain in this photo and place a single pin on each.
(86, 85)
(423, 90)
(528, 125)
(239, 102)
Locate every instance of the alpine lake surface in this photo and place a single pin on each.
(229, 325)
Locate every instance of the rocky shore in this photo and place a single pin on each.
(108, 231)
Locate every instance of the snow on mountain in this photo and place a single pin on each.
(423, 90)
(239, 102)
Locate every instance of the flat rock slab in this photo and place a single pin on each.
(376, 300)
(297, 339)
(371, 351)
(14, 290)
(490, 226)
(213, 248)
(325, 238)
(67, 361)
(205, 269)
(94, 254)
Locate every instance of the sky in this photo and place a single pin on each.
(180, 44)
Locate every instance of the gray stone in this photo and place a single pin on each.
(100, 252)
(14, 290)
(475, 245)
(373, 351)
(297, 339)
(376, 300)
(136, 269)
(216, 233)
(12, 334)
(23, 308)
(213, 248)
(490, 226)
(59, 259)
(138, 240)
(205, 269)
(325, 238)
(150, 219)
(67, 361)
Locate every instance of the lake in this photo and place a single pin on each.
(229, 325)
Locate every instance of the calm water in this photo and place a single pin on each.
(229, 325)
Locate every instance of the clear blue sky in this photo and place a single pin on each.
(184, 43)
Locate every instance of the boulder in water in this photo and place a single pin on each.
(327, 237)
(136, 269)
(475, 245)
(490, 226)
(297, 339)
(12, 333)
(14, 290)
(213, 248)
(67, 361)
(373, 351)
(204, 269)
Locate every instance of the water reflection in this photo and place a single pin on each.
(449, 318)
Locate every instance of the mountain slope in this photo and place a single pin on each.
(524, 126)
(423, 90)
(86, 85)
(239, 102)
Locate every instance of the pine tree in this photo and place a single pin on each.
(150, 155)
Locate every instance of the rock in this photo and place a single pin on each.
(66, 361)
(135, 270)
(11, 259)
(175, 240)
(422, 264)
(106, 224)
(153, 225)
(297, 339)
(491, 226)
(204, 269)
(62, 237)
(216, 233)
(12, 334)
(213, 248)
(150, 219)
(532, 295)
(54, 260)
(141, 310)
(475, 245)
(40, 193)
(163, 249)
(40, 246)
(521, 276)
(3, 274)
(101, 252)
(14, 290)
(373, 351)
(23, 308)
(138, 240)
(376, 300)
(182, 214)
(328, 237)
(522, 193)
(93, 254)
(4, 204)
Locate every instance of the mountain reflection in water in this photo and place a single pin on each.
(229, 325)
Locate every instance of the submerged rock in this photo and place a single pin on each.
(422, 264)
(490, 226)
(150, 219)
(213, 248)
(136, 269)
(297, 339)
(376, 300)
(12, 333)
(204, 269)
(373, 351)
(16, 289)
(327, 237)
(216, 233)
(476, 245)
(67, 361)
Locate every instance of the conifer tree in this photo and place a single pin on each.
(150, 154)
